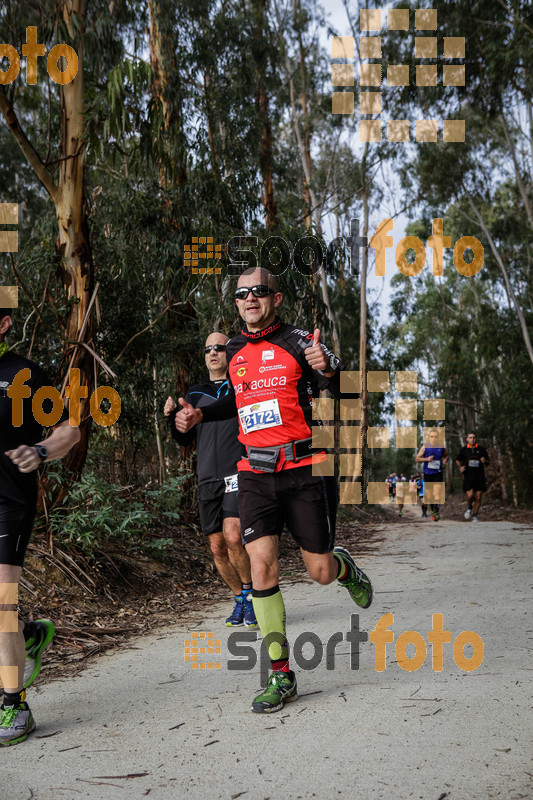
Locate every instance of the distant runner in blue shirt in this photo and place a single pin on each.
(433, 458)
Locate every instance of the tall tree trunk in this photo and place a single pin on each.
(163, 45)
(262, 108)
(73, 242)
(171, 152)
(518, 175)
(306, 138)
(362, 327)
(162, 470)
(514, 485)
(73, 238)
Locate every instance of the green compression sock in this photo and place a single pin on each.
(270, 613)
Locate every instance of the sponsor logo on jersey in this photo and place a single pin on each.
(301, 332)
(272, 366)
(262, 383)
(241, 371)
(268, 355)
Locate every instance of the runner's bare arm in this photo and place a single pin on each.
(420, 455)
(63, 437)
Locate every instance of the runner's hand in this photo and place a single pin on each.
(170, 405)
(26, 458)
(462, 469)
(315, 356)
(188, 417)
(430, 458)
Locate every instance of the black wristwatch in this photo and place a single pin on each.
(333, 363)
(42, 451)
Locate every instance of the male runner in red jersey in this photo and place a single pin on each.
(275, 369)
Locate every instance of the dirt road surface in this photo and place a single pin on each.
(142, 723)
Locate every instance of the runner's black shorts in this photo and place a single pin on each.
(474, 482)
(306, 503)
(16, 525)
(215, 505)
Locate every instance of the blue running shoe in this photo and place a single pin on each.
(249, 613)
(357, 583)
(237, 615)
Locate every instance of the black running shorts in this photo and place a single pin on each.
(434, 477)
(306, 503)
(214, 505)
(16, 525)
(474, 482)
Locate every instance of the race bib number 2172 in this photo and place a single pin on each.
(258, 416)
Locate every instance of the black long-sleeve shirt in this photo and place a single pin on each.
(217, 445)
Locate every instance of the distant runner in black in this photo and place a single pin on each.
(22, 452)
(218, 450)
(471, 460)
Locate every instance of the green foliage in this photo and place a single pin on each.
(98, 514)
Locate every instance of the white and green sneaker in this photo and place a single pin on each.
(15, 724)
(281, 688)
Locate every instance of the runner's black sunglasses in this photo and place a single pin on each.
(218, 348)
(258, 291)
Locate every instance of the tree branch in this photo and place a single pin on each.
(23, 142)
(508, 285)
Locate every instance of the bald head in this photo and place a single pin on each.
(261, 275)
(216, 338)
(215, 359)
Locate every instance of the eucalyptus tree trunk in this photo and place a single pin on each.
(68, 197)
(262, 108)
(363, 326)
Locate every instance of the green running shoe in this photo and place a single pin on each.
(15, 724)
(357, 583)
(35, 647)
(281, 688)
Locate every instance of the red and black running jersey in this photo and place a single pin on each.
(273, 387)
